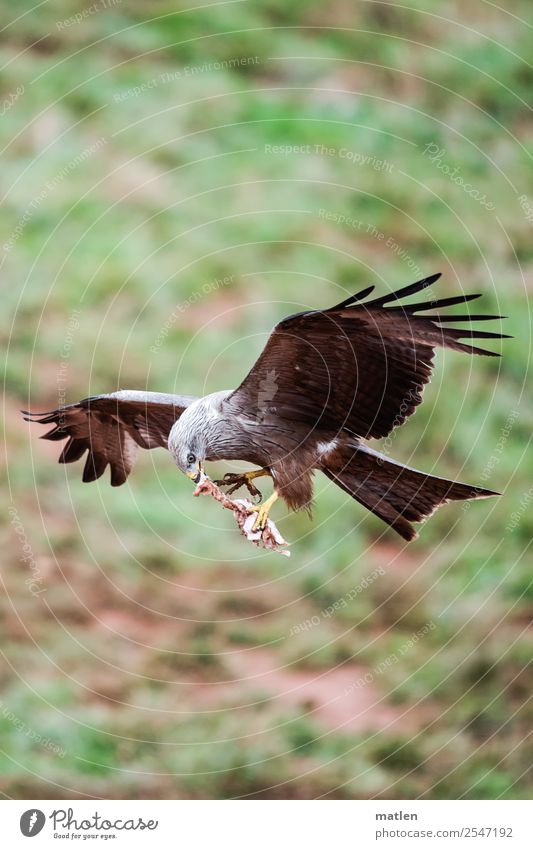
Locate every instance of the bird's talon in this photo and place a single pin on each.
(262, 513)
(235, 481)
(260, 522)
(254, 492)
(229, 479)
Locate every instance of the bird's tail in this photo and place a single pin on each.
(397, 494)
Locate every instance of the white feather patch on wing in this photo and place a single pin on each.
(325, 448)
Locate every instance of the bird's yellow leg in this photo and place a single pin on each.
(258, 473)
(262, 511)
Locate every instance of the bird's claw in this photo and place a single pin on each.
(261, 518)
(235, 481)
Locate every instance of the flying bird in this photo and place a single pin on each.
(325, 381)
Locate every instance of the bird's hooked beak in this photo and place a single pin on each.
(196, 476)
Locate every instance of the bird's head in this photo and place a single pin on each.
(188, 450)
(189, 456)
(191, 462)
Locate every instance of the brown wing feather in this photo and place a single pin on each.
(111, 428)
(359, 366)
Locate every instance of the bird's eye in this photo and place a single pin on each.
(191, 458)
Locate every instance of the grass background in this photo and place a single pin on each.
(154, 227)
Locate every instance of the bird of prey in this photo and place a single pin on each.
(325, 381)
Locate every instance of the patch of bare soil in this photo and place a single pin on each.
(330, 697)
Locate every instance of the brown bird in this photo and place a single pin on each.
(326, 380)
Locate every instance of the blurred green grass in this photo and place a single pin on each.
(150, 595)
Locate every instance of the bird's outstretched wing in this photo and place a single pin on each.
(111, 428)
(360, 365)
